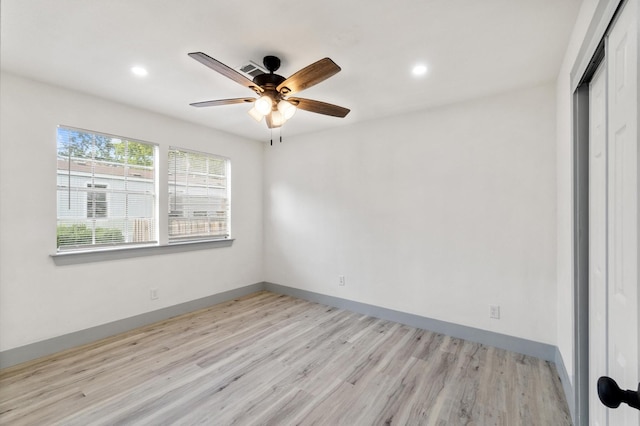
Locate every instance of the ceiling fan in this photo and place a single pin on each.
(273, 102)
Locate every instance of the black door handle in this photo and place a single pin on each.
(611, 395)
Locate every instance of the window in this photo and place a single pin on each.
(106, 190)
(106, 193)
(198, 196)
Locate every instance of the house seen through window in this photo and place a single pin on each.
(96, 201)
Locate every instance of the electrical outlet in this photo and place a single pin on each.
(494, 312)
(153, 293)
(341, 280)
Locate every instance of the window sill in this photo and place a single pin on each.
(77, 257)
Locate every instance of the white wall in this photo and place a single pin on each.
(39, 300)
(439, 213)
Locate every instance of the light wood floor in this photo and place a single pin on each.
(272, 359)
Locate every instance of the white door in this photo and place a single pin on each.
(622, 208)
(613, 220)
(597, 241)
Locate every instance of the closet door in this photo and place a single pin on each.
(622, 208)
(614, 230)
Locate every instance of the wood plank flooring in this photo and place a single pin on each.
(268, 359)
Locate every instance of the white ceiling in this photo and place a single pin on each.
(472, 48)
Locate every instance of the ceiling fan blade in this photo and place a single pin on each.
(319, 107)
(308, 76)
(225, 70)
(222, 102)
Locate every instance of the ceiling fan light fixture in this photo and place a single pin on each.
(287, 109)
(277, 118)
(255, 114)
(264, 104)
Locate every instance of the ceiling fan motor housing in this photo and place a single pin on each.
(269, 82)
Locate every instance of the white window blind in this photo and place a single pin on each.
(198, 196)
(106, 190)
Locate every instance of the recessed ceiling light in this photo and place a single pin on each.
(419, 70)
(139, 71)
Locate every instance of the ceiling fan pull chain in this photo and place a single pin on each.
(280, 134)
(271, 137)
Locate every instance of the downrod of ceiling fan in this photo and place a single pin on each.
(271, 63)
